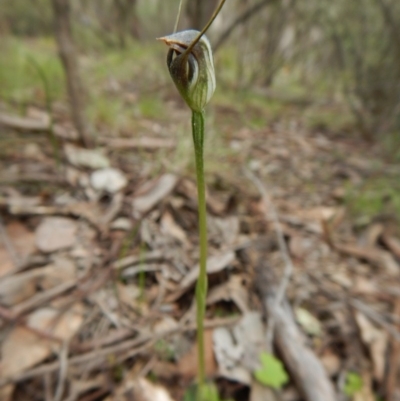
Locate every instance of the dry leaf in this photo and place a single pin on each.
(22, 239)
(33, 151)
(366, 393)
(60, 271)
(22, 348)
(78, 387)
(121, 223)
(6, 261)
(300, 246)
(376, 340)
(233, 290)
(128, 294)
(250, 332)
(187, 365)
(169, 226)
(108, 179)
(364, 286)
(321, 213)
(214, 264)
(24, 123)
(89, 158)
(6, 392)
(164, 325)
(215, 205)
(152, 193)
(90, 211)
(143, 390)
(38, 114)
(331, 362)
(372, 255)
(390, 264)
(19, 287)
(65, 131)
(237, 351)
(372, 235)
(291, 394)
(259, 392)
(55, 233)
(392, 243)
(223, 231)
(74, 176)
(311, 219)
(165, 370)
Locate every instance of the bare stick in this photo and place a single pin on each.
(302, 363)
(271, 214)
(43, 297)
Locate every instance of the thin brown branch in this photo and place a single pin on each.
(134, 346)
(241, 19)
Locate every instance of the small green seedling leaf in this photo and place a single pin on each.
(353, 384)
(190, 394)
(209, 393)
(272, 372)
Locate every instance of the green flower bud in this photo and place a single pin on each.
(192, 72)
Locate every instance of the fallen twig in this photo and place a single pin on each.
(304, 366)
(43, 297)
(135, 346)
(62, 373)
(288, 271)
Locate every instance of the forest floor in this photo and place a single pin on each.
(98, 247)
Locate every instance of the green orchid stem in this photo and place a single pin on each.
(201, 286)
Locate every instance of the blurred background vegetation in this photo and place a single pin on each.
(334, 64)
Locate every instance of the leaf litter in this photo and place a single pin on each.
(98, 264)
